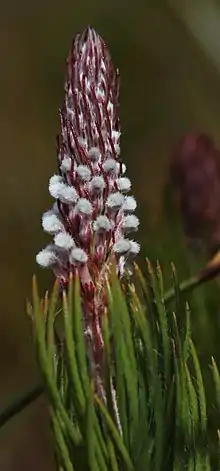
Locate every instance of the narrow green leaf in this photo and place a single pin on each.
(78, 330)
(162, 316)
(182, 399)
(100, 460)
(115, 434)
(193, 403)
(200, 387)
(63, 453)
(186, 346)
(162, 358)
(124, 343)
(112, 456)
(119, 367)
(216, 377)
(71, 357)
(90, 435)
(51, 353)
(50, 382)
(100, 438)
(108, 367)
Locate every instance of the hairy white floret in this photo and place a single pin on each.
(102, 223)
(51, 222)
(67, 194)
(134, 247)
(54, 189)
(64, 241)
(78, 255)
(55, 182)
(83, 172)
(84, 206)
(55, 179)
(123, 184)
(131, 222)
(47, 257)
(59, 190)
(94, 154)
(65, 165)
(97, 183)
(109, 165)
(122, 246)
(115, 200)
(129, 204)
(126, 246)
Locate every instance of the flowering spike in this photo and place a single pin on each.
(92, 214)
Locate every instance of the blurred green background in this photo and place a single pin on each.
(169, 86)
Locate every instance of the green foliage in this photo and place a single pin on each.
(158, 419)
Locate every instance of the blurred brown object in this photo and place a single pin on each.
(195, 175)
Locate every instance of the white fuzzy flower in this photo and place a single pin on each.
(131, 223)
(55, 179)
(47, 257)
(84, 206)
(54, 185)
(83, 172)
(129, 204)
(115, 201)
(122, 246)
(134, 247)
(109, 165)
(97, 183)
(67, 194)
(123, 184)
(65, 165)
(51, 223)
(78, 256)
(126, 246)
(102, 223)
(64, 240)
(59, 190)
(94, 154)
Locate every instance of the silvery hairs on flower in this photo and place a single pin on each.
(92, 215)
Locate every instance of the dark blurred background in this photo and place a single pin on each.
(170, 85)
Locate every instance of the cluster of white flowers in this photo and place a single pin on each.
(93, 214)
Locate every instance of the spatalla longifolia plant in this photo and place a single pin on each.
(124, 383)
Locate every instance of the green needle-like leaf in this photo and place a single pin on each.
(71, 356)
(46, 369)
(115, 434)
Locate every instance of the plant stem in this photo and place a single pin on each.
(211, 270)
(185, 286)
(20, 404)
